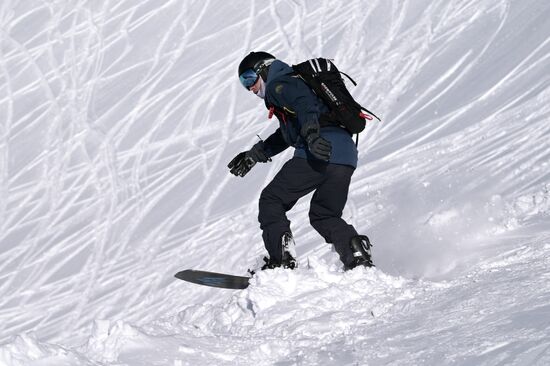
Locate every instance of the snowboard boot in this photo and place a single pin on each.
(289, 251)
(360, 246)
(288, 255)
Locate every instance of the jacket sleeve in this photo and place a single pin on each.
(275, 143)
(298, 99)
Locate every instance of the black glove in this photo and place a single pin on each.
(243, 162)
(257, 153)
(318, 146)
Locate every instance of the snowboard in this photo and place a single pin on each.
(213, 279)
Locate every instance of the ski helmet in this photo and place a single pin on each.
(259, 62)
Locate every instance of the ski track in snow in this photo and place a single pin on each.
(118, 120)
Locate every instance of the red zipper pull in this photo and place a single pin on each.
(284, 117)
(365, 116)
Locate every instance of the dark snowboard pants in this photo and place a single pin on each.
(297, 178)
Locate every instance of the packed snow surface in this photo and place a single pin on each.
(117, 121)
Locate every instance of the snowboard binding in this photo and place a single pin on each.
(360, 246)
(288, 256)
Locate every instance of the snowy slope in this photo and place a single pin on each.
(118, 120)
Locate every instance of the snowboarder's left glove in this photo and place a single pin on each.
(243, 162)
(318, 146)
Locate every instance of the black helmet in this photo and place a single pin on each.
(257, 61)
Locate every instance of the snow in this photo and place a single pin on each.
(117, 121)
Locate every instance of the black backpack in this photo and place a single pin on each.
(324, 78)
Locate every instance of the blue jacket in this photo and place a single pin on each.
(291, 94)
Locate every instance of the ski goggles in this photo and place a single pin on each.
(248, 78)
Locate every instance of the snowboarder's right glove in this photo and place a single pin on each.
(257, 153)
(243, 162)
(318, 146)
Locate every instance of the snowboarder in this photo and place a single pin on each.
(324, 160)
